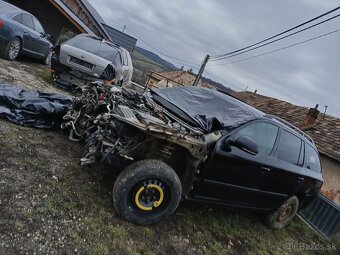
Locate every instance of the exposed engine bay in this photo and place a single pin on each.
(118, 121)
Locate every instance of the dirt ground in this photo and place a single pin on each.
(51, 205)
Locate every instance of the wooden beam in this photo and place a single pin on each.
(68, 16)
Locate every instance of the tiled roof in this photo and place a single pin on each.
(325, 131)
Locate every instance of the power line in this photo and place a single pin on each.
(166, 55)
(274, 36)
(291, 34)
(286, 47)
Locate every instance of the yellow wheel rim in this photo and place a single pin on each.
(155, 203)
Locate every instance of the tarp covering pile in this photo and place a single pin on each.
(32, 108)
(209, 109)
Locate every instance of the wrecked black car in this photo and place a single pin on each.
(197, 144)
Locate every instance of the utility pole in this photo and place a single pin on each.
(199, 75)
(124, 28)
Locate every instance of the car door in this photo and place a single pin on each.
(28, 32)
(27, 43)
(235, 176)
(286, 174)
(42, 46)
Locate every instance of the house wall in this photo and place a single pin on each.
(331, 175)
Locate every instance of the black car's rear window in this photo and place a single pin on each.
(312, 159)
(95, 46)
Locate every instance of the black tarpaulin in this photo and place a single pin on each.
(32, 108)
(209, 109)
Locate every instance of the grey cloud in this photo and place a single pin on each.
(304, 75)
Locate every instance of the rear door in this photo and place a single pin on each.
(27, 43)
(286, 174)
(28, 32)
(237, 177)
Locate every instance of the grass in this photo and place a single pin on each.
(79, 202)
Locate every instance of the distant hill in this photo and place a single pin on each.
(218, 85)
(145, 61)
(155, 58)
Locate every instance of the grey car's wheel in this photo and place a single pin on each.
(12, 50)
(147, 192)
(47, 60)
(284, 214)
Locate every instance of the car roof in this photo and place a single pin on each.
(7, 7)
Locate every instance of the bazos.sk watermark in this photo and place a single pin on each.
(296, 246)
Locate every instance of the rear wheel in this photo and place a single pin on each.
(12, 50)
(147, 192)
(284, 214)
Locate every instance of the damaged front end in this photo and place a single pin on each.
(117, 121)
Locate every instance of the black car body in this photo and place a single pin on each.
(22, 33)
(200, 143)
(86, 58)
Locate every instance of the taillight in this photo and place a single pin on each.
(1, 23)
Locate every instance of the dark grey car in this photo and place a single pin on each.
(22, 33)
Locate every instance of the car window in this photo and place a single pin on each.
(27, 20)
(289, 148)
(94, 46)
(17, 18)
(312, 159)
(263, 133)
(37, 26)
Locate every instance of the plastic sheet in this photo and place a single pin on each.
(32, 108)
(209, 109)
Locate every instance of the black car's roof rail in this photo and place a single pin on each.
(291, 126)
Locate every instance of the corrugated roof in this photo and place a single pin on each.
(325, 131)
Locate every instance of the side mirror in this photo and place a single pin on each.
(245, 143)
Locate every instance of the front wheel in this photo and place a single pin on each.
(147, 192)
(47, 59)
(284, 214)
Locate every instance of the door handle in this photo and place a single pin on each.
(300, 179)
(265, 169)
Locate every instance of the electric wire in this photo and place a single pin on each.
(291, 34)
(279, 49)
(215, 57)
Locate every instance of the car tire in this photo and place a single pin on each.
(283, 215)
(12, 50)
(146, 192)
(47, 59)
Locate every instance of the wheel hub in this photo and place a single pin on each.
(150, 195)
(14, 49)
(285, 212)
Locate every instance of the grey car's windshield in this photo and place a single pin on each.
(95, 46)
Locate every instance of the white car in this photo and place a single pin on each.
(90, 58)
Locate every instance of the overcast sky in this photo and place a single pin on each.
(306, 75)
